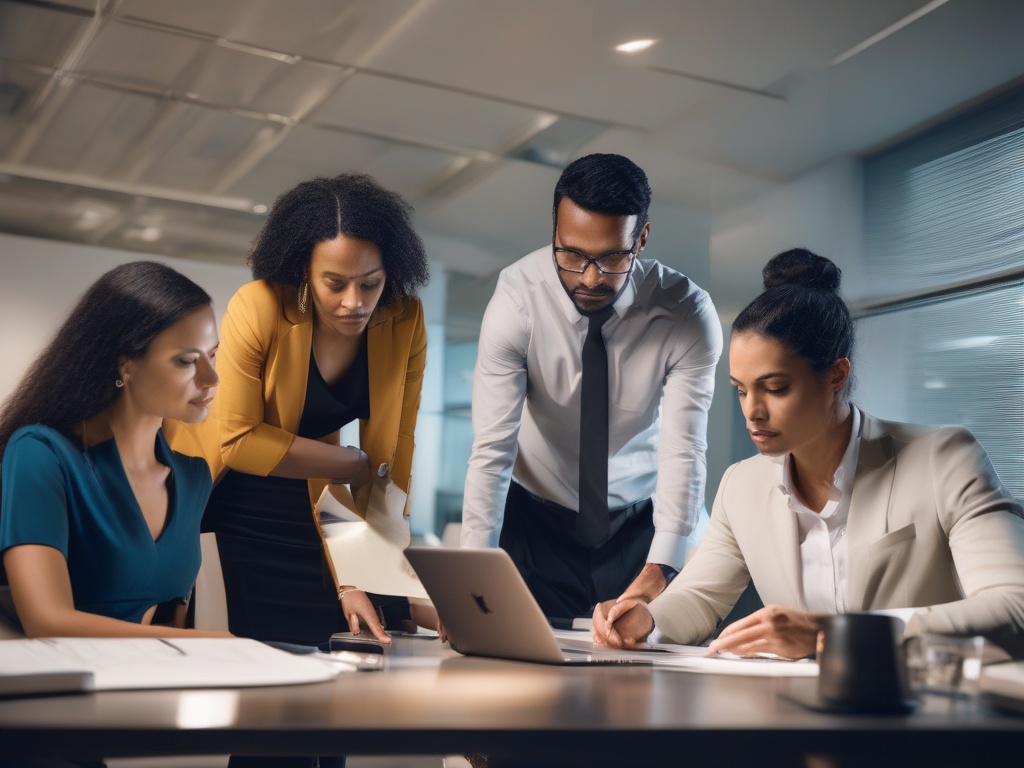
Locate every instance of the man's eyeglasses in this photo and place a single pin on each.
(611, 263)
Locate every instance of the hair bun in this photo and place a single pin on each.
(800, 267)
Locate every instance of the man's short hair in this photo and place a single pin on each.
(605, 183)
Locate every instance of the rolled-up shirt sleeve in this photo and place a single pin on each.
(682, 446)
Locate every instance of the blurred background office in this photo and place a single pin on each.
(885, 134)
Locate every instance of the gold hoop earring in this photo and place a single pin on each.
(303, 296)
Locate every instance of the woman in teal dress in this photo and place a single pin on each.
(99, 519)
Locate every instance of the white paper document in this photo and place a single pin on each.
(368, 553)
(690, 658)
(145, 663)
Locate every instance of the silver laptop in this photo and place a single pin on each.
(487, 610)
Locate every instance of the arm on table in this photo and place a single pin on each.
(703, 593)
(41, 589)
(986, 537)
(682, 445)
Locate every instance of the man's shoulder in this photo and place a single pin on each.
(525, 276)
(528, 268)
(660, 286)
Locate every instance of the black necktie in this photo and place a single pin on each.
(592, 519)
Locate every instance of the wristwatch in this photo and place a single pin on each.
(668, 572)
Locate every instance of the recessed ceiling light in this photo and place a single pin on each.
(259, 208)
(635, 46)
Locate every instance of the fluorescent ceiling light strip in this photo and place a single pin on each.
(890, 30)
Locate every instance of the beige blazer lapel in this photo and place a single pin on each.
(869, 509)
(783, 546)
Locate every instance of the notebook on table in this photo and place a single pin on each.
(487, 610)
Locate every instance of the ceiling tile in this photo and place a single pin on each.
(408, 170)
(95, 129)
(508, 210)
(749, 44)
(138, 139)
(19, 87)
(206, 71)
(433, 115)
(195, 146)
(545, 54)
(305, 153)
(37, 34)
(324, 29)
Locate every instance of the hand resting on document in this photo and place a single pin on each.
(786, 632)
(773, 630)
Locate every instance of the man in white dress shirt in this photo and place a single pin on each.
(662, 340)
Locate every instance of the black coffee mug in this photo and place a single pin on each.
(861, 667)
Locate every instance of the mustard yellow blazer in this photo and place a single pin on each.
(263, 364)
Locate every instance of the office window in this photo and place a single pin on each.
(942, 339)
(947, 208)
(958, 360)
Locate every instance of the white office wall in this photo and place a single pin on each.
(41, 280)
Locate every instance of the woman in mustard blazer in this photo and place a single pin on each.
(330, 331)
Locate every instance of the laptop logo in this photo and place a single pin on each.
(481, 603)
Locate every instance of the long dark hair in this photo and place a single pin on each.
(353, 205)
(116, 319)
(802, 309)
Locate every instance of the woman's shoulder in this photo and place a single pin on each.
(408, 309)
(753, 473)
(907, 435)
(34, 435)
(257, 293)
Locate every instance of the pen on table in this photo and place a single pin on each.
(172, 645)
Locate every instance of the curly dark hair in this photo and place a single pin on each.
(605, 183)
(117, 318)
(351, 204)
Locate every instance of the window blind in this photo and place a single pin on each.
(944, 235)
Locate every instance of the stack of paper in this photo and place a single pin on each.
(142, 663)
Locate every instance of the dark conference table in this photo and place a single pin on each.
(432, 701)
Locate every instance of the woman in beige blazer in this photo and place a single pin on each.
(840, 511)
(329, 332)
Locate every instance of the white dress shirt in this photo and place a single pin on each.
(663, 341)
(823, 550)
